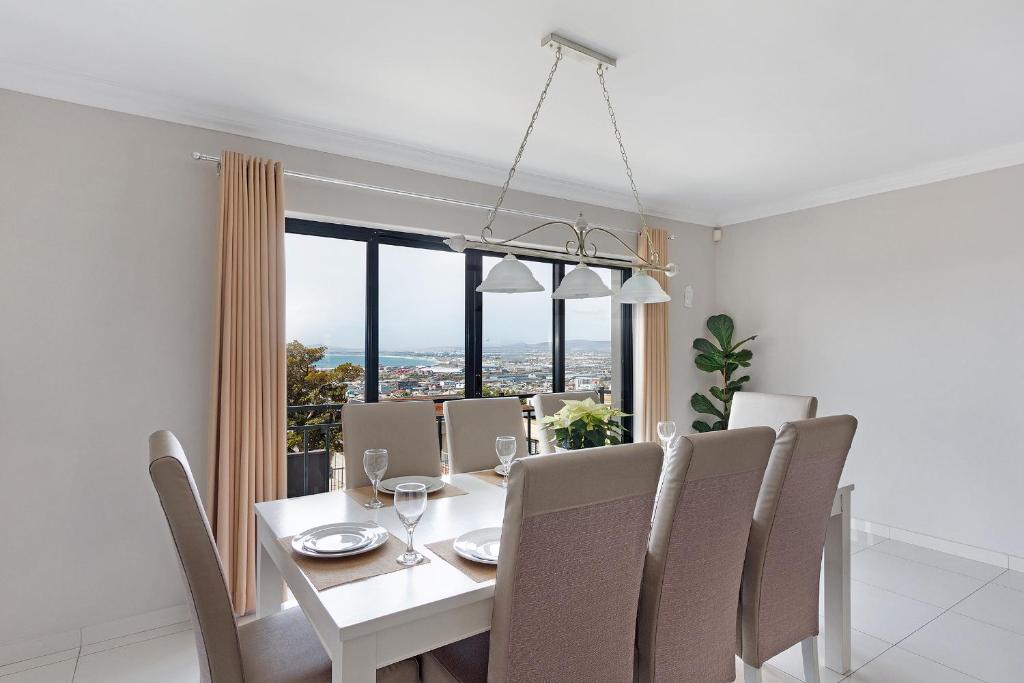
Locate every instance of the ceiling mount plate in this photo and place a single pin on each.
(574, 49)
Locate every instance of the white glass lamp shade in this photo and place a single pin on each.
(510, 276)
(581, 283)
(642, 289)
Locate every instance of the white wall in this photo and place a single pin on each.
(107, 248)
(903, 309)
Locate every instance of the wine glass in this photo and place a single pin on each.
(375, 464)
(666, 430)
(410, 503)
(505, 446)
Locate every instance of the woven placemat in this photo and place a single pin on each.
(490, 476)
(475, 570)
(364, 494)
(326, 573)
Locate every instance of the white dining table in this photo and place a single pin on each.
(368, 624)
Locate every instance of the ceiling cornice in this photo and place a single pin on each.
(97, 92)
(104, 94)
(988, 160)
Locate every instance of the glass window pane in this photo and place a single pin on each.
(517, 355)
(325, 319)
(592, 343)
(325, 313)
(422, 323)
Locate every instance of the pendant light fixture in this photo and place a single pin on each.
(512, 276)
(642, 289)
(581, 283)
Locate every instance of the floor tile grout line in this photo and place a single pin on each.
(907, 597)
(982, 621)
(986, 623)
(38, 666)
(855, 670)
(134, 633)
(945, 612)
(134, 642)
(942, 664)
(29, 659)
(951, 571)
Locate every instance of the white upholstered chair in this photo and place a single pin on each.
(472, 425)
(549, 404)
(573, 543)
(408, 429)
(779, 593)
(686, 630)
(282, 648)
(753, 409)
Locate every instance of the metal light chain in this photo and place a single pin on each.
(652, 254)
(522, 145)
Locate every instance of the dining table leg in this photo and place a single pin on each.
(355, 661)
(837, 585)
(269, 584)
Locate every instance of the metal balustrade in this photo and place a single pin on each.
(317, 465)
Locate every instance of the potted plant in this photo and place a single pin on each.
(585, 424)
(725, 358)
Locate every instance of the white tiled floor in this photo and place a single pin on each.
(919, 616)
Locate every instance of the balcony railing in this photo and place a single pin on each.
(315, 458)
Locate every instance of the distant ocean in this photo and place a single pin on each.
(333, 359)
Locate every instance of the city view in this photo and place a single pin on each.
(507, 370)
(421, 323)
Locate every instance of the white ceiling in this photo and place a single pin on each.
(731, 110)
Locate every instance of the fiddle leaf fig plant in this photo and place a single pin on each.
(724, 358)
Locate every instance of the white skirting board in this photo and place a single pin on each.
(29, 648)
(964, 550)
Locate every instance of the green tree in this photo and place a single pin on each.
(310, 385)
(725, 358)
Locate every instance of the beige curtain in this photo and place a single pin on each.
(247, 453)
(651, 348)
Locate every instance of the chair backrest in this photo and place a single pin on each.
(751, 409)
(472, 425)
(549, 404)
(779, 594)
(213, 623)
(686, 629)
(408, 429)
(572, 552)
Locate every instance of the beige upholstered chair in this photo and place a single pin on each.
(572, 554)
(279, 649)
(686, 628)
(408, 429)
(779, 594)
(751, 409)
(549, 404)
(473, 424)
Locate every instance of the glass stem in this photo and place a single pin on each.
(408, 549)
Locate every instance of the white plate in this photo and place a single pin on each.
(501, 469)
(340, 540)
(432, 483)
(480, 545)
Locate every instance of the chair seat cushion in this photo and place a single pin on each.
(462, 662)
(283, 648)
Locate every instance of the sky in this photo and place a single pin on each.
(421, 299)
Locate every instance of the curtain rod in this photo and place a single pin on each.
(198, 156)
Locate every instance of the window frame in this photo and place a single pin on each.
(374, 237)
